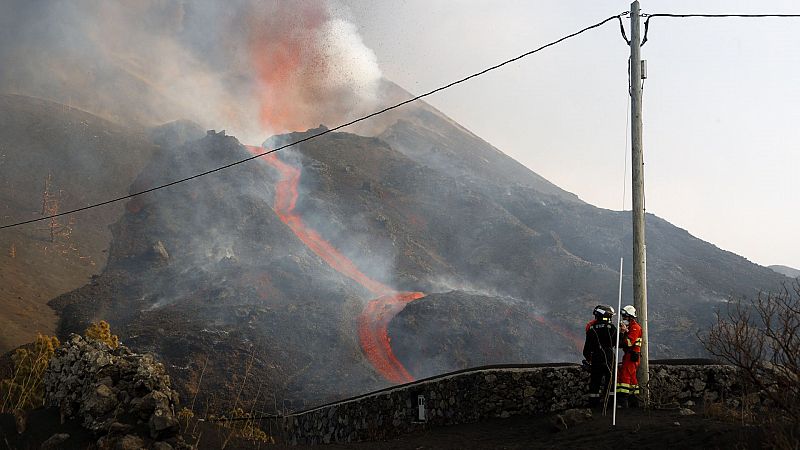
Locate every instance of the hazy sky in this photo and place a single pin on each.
(721, 103)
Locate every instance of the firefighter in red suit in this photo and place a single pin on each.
(631, 342)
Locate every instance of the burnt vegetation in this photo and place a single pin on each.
(761, 337)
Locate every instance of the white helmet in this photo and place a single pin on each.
(628, 310)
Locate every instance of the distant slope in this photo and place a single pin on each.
(431, 138)
(208, 276)
(90, 159)
(786, 270)
(445, 230)
(512, 270)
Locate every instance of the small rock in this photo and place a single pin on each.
(677, 424)
(160, 251)
(102, 401)
(698, 385)
(163, 423)
(558, 423)
(577, 415)
(152, 401)
(129, 442)
(119, 428)
(528, 391)
(686, 412)
(54, 442)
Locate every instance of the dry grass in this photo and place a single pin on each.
(25, 389)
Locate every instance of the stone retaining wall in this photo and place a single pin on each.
(123, 397)
(489, 393)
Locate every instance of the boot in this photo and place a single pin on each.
(622, 400)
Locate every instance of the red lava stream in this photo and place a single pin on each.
(375, 318)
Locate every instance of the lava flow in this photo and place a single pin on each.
(375, 318)
(572, 337)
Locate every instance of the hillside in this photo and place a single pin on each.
(786, 270)
(89, 159)
(233, 277)
(206, 276)
(335, 267)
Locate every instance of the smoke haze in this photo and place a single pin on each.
(254, 68)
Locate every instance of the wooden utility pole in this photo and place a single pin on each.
(637, 175)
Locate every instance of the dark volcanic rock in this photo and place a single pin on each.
(208, 277)
(55, 441)
(110, 391)
(231, 293)
(457, 330)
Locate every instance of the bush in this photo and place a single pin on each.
(246, 429)
(761, 337)
(25, 390)
(101, 331)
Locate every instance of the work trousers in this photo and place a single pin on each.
(600, 376)
(627, 382)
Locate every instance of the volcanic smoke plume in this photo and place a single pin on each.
(253, 67)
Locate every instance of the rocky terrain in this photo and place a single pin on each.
(455, 330)
(210, 278)
(106, 398)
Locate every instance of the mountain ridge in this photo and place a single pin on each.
(790, 272)
(209, 277)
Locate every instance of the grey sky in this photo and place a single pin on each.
(721, 104)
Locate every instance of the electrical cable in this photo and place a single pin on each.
(611, 382)
(713, 16)
(331, 130)
(622, 29)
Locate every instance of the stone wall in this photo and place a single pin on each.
(493, 392)
(123, 397)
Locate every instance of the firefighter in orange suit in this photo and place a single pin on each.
(631, 342)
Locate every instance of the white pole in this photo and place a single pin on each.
(616, 347)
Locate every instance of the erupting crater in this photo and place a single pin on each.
(374, 319)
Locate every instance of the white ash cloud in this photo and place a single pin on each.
(252, 67)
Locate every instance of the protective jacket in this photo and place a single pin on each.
(631, 343)
(598, 350)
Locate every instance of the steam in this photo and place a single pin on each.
(254, 68)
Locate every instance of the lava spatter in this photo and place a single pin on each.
(374, 319)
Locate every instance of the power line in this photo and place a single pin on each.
(712, 16)
(308, 138)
